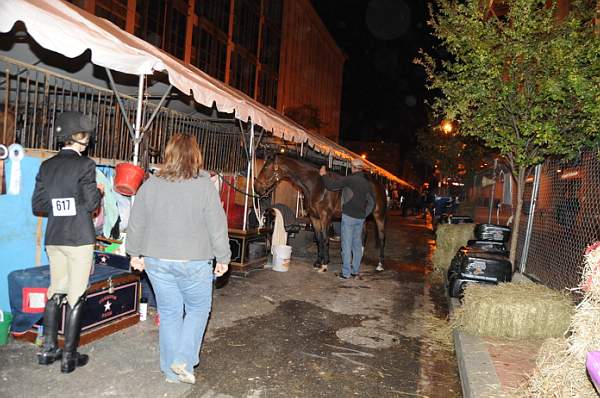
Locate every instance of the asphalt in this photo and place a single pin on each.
(282, 334)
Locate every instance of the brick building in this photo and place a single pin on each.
(277, 52)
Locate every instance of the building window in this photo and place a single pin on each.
(113, 10)
(175, 31)
(214, 11)
(273, 10)
(267, 88)
(246, 23)
(243, 73)
(270, 46)
(150, 21)
(209, 52)
(162, 23)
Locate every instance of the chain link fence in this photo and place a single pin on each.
(566, 219)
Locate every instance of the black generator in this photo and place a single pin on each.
(492, 232)
(476, 265)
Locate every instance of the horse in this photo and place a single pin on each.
(322, 205)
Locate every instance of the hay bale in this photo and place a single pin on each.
(561, 370)
(514, 310)
(449, 238)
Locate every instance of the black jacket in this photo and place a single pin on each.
(65, 179)
(358, 199)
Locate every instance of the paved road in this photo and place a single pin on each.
(305, 334)
(292, 334)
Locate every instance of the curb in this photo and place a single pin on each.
(478, 376)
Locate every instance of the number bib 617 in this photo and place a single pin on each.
(63, 207)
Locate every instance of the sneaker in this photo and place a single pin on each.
(174, 381)
(341, 276)
(182, 374)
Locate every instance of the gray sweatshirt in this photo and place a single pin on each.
(181, 220)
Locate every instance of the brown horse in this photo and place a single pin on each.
(322, 205)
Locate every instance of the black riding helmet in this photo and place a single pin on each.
(69, 123)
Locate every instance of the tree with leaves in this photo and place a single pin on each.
(526, 83)
(453, 155)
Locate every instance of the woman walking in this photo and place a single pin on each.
(177, 227)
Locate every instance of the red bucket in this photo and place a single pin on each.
(128, 178)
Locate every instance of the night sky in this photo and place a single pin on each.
(383, 92)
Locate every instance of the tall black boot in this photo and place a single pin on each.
(50, 351)
(71, 359)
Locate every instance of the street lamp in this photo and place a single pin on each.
(447, 127)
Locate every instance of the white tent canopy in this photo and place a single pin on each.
(70, 31)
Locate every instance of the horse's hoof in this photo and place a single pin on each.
(323, 268)
(379, 267)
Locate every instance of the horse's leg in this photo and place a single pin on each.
(380, 222)
(317, 227)
(325, 222)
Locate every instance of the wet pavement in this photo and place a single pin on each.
(308, 334)
(284, 334)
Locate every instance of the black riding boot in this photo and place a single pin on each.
(71, 359)
(50, 351)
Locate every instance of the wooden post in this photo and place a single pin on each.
(130, 20)
(229, 41)
(189, 31)
(260, 34)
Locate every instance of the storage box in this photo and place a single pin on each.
(111, 303)
(489, 245)
(243, 258)
(498, 233)
(473, 265)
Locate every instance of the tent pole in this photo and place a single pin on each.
(248, 175)
(138, 121)
(113, 86)
(298, 193)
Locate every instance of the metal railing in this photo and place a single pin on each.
(32, 97)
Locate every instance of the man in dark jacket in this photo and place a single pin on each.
(358, 201)
(66, 191)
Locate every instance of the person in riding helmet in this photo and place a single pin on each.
(67, 193)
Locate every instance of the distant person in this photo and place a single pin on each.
(66, 190)
(177, 226)
(358, 201)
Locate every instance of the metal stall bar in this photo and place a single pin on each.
(534, 195)
(248, 175)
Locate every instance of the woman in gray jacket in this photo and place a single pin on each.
(177, 226)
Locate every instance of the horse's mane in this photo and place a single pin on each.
(302, 173)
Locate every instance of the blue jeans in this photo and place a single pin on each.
(352, 247)
(181, 286)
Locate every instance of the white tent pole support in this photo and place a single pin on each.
(160, 104)
(248, 175)
(330, 160)
(258, 141)
(113, 86)
(244, 145)
(299, 193)
(138, 121)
